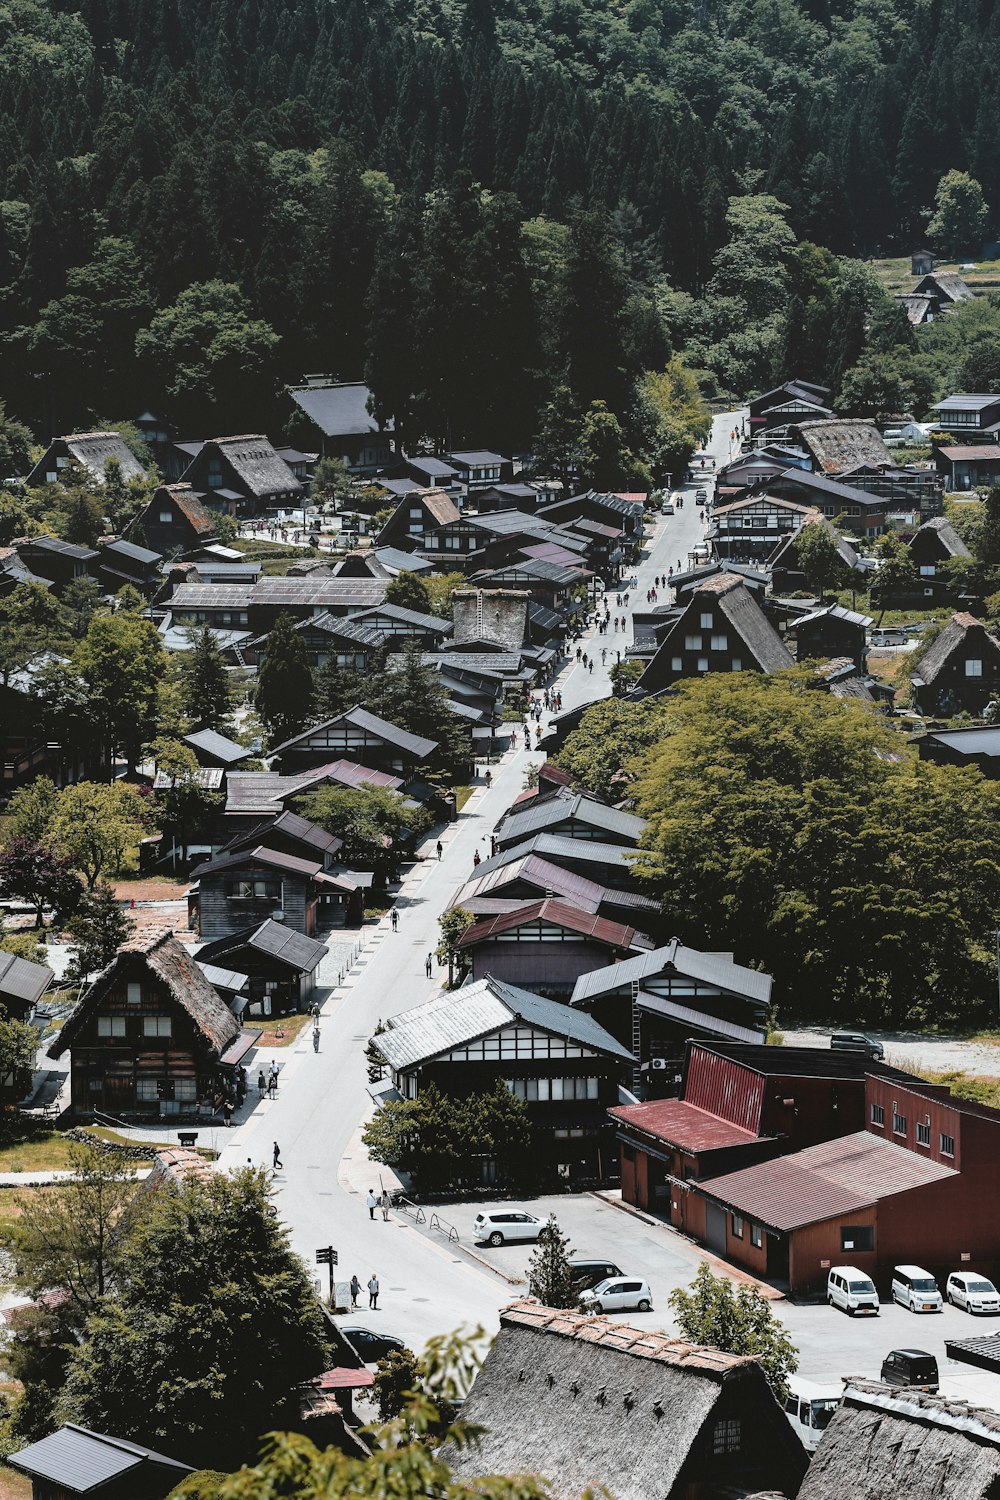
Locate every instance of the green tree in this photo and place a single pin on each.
(284, 694)
(15, 445)
(208, 695)
(332, 481)
(960, 218)
(987, 539)
(610, 738)
(673, 417)
(83, 519)
(97, 929)
(441, 1141)
(121, 660)
(32, 811)
(374, 1060)
(371, 820)
(452, 923)
(877, 386)
(818, 558)
(550, 1274)
(30, 618)
(413, 695)
(606, 461)
(185, 805)
(557, 444)
(99, 827)
(896, 574)
(36, 874)
(141, 1371)
(397, 1377)
(737, 1321)
(409, 591)
(81, 599)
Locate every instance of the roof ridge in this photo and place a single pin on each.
(699, 1359)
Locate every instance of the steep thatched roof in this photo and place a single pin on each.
(169, 962)
(840, 445)
(584, 1401)
(951, 639)
(885, 1441)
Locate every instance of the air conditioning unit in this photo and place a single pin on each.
(658, 1063)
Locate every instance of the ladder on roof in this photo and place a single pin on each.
(238, 654)
(636, 1038)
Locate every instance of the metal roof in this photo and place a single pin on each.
(678, 1123)
(219, 745)
(471, 458)
(227, 980)
(455, 1018)
(560, 914)
(338, 410)
(543, 875)
(123, 548)
(555, 847)
(968, 401)
(836, 1177)
(272, 859)
(432, 623)
(76, 1459)
(23, 980)
(570, 806)
(711, 968)
(699, 1020)
(274, 939)
(968, 741)
(396, 560)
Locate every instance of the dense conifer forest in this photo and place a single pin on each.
(474, 203)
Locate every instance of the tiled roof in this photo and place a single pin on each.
(22, 980)
(824, 1181)
(677, 1123)
(561, 914)
(273, 939)
(556, 847)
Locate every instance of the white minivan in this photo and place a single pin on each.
(852, 1291)
(809, 1407)
(915, 1288)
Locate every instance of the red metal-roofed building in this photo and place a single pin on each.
(546, 945)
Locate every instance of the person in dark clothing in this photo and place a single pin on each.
(276, 1158)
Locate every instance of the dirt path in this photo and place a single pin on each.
(912, 1051)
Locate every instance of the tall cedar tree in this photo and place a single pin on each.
(284, 696)
(208, 692)
(550, 1274)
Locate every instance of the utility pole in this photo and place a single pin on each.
(328, 1257)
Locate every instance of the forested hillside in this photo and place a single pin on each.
(303, 176)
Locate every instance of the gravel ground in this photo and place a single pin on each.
(911, 1050)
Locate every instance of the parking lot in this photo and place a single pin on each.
(830, 1343)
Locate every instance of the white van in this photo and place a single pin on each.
(915, 1288)
(853, 1291)
(809, 1407)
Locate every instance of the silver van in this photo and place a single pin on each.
(856, 1041)
(852, 1291)
(915, 1288)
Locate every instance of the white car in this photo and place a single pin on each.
(617, 1294)
(975, 1293)
(915, 1288)
(506, 1224)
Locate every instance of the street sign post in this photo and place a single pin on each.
(327, 1256)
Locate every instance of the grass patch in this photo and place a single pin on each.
(966, 1085)
(51, 1151)
(377, 906)
(462, 795)
(289, 1026)
(14, 1486)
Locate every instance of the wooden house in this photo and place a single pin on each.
(243, 476)
(403, 627)
(786, 572)
(348, 641)
(150, 1037)
(723, 629)
(581, 1401)
(59, 562)
(478, 468)
(832, 632)
(653, 1003)
(80, 457)
(963, 747)
(572, 815)
(947, 288)
(74, 1460)
(932, 546)
(241, 887)
(959, 672)
(921, 263)
(281, 965)
(534, 878)
(417, 514)
(175, 521)
(968, 466)
(786, 403)
(22, 985)
(120, 562)
(334, 417)
(594, 505)
(606, 864)
(749, 530)
(970, 416)
(563, 1065)
(430, 472)
(356, 735)
(546, 945)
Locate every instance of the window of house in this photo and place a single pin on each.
(134, 992)
(720, 643)
(692, 643)
(947, 1144)
(898, 1122)
(736, 665)
(676, 664)
(258, 888)
(878, 1114)
(111, 1026)
(973, 667)
(923, 1133)
(857, 1237)
(706, 622)
(147, 1090)
(165, 518)
(756, 1236)
(186, 1089)
(156, 1025)
(737, 1226)
(726, 1436)
(703, 664)
(927, 570)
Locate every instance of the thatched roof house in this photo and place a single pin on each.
(584, 1401)
(837, 446)
(885, 1441)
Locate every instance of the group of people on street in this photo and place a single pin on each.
(372, 1291)
(268, 1083)
(380, 1200)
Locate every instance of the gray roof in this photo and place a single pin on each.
(22, 980)
(716, 969)
(455, 1018)
(353, 628)
(835, 612)
(968, 401)
(273, 939)
(402, 562)
(555, 846)
(550, 811)
(432, 623)
(219, 745)
(226, 981)
(118, 546)
(699, 1020)
(338, 410)
(561, 575)
(310, 590)
(476, 457)
(968, 741)
(64, 549)
(414, 744)
(78, 1460)
(949, 537)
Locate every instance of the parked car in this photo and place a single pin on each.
(618, 1295)
(888, 636)
(973, 1292)
(701, 496)
(372, 1346)
(856, 1041)
(667, 509)
(853, 1291)
(587, 1273)
(911, 1367)
(915, 1288)
(503, 1224)
(809, 1407)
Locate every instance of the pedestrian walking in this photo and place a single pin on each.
(385, 1206)
(429, 965)
(591, 671)
(394, 919)
(373, 1292)
(261, 1083)
(440, 848)
(276, 1158)
(227, 1112)
(355, 1290)
(372, 1203)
